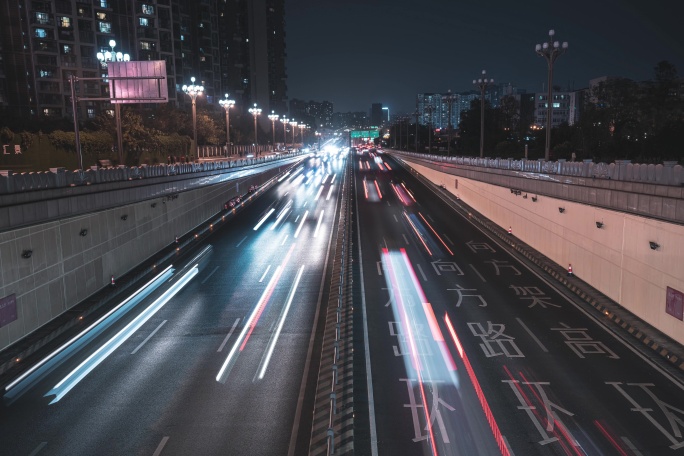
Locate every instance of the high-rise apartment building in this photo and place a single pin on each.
(235, 47)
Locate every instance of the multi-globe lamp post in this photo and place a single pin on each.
(302, 127)
(256, 112)
(294, 128)
(482, 84)
(550, 50)
(285, 121)
(110, 56)
(193, 91)
(227, 104)
(273, 117)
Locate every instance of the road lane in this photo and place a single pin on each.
(157, 393)
(556, 381)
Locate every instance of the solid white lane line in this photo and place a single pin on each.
(209, 275)
(38, 448)
(230, 333)
(318, 225)
(281, 322)
(333, 179)
(478, 273)
(532, 335)
(148, 337)
(161, 445)
(243, 240)
(422, 273)
(265, 272)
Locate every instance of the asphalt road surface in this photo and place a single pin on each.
(473, 353)
(213, 360)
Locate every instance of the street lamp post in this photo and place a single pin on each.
(550, 50)
(227, 104)
(105, 57)
(285, 122)
(482, 84)
(294, 127)
(255, 112)
(302, 127)
(273, 117)
(429, 109)
(193, 91)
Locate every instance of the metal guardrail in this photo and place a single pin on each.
(667, 173)
(11, 182)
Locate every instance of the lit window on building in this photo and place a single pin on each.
(145, 45)
(65, 22)
(42, 18)
(104, 27)
(203, 58)
(104, 3)
(45, 73)
(101, 16)
(182, 37)
(41, 33)
(147, 9)
(556, 105)
(66, 49)
(143, 21)
(91, 113)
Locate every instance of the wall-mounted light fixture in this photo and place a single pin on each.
(124, 217)
(654, 245)
(599, 225)
(534, 198)
(561, 209)
(83, 232)
(27, 253)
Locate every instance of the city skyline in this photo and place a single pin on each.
(388, 52)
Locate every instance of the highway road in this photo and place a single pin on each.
(212, 357)
(472, 352)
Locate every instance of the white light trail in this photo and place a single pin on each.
(79, 373)
(263, 219)
(281, 322)
(153, 284)
(329, 192)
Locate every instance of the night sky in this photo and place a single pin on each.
(355, 52)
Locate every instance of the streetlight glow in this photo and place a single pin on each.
(227, 104)
(273, 117)
(285, 122)
(110, 56)
(550, 50)
(193, 91)
(256, 112)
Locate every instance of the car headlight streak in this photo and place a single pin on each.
(94, 360)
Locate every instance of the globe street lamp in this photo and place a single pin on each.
(294, 127)
(482, 84)
(273, 117)
(227, 104)
(193, 91)
(255, 112)
(302, 127)
(285, 122)
(550, 50)
(105, 57)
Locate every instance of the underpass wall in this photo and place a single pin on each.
(72, 258)
(616, 258)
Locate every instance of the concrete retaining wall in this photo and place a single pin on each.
(74, 257)
(616, 259)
